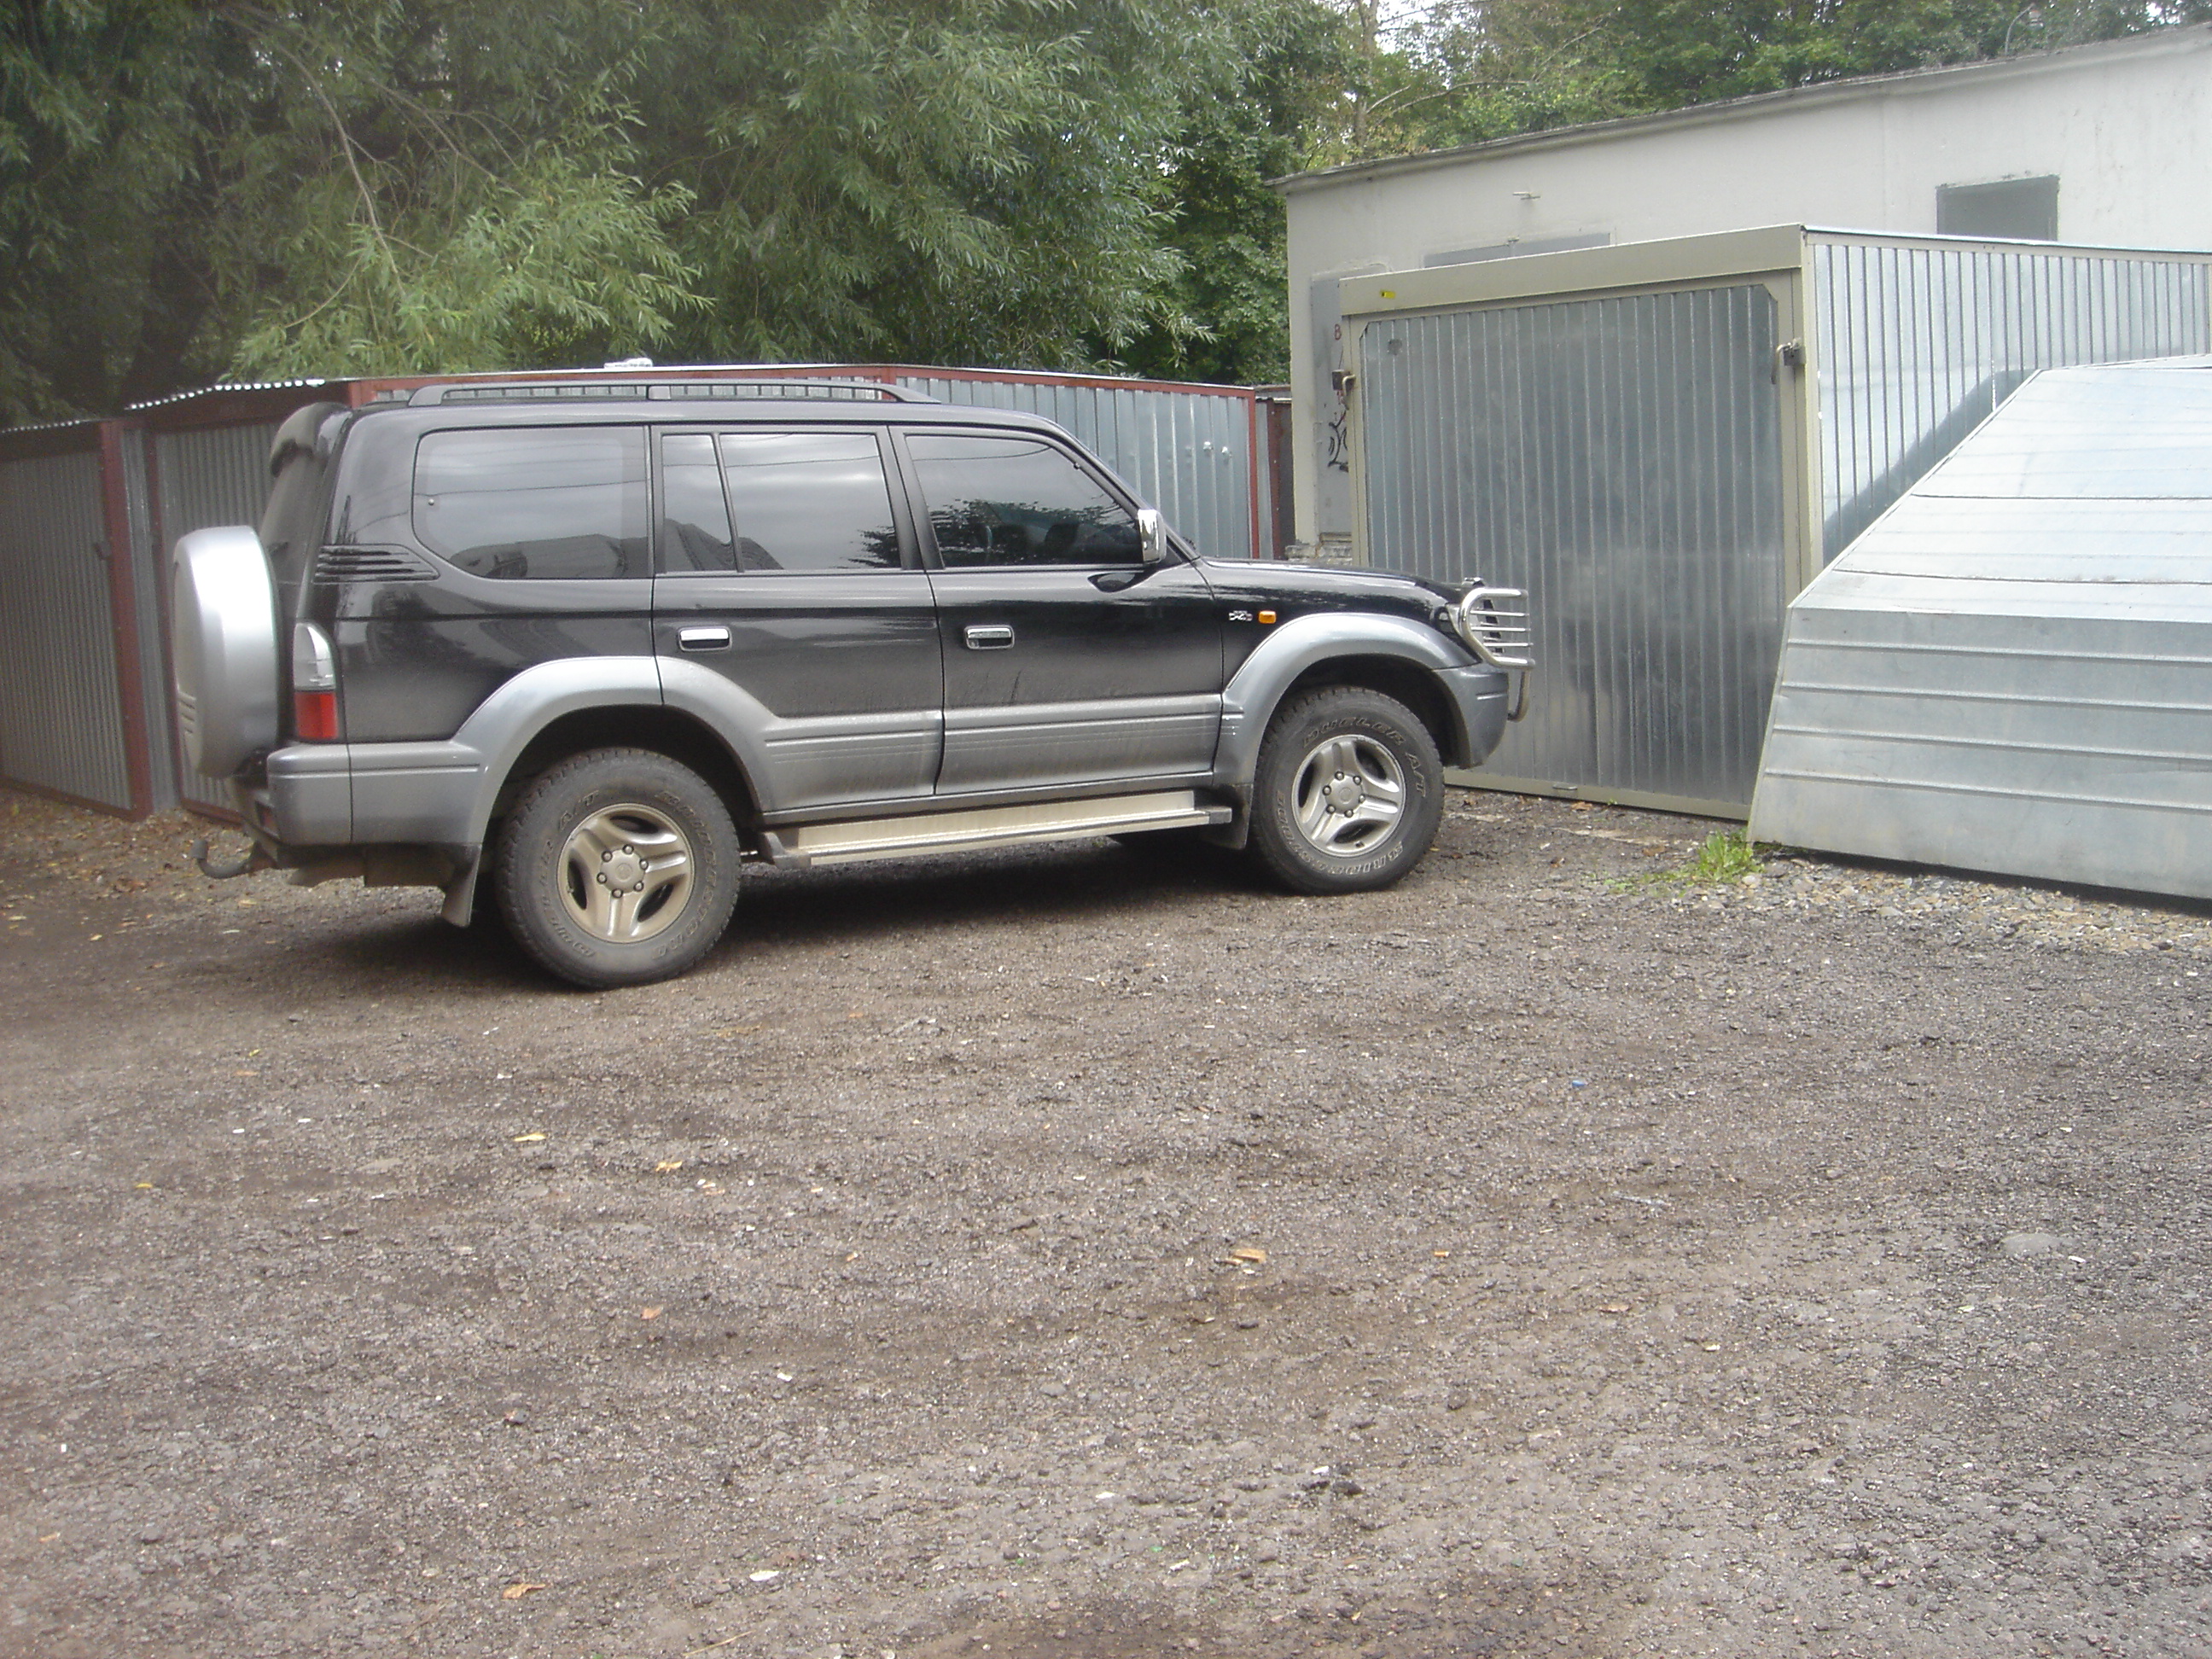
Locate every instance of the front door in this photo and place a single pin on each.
(1068, 661)
(784, 569)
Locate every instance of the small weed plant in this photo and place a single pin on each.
(1726, 856)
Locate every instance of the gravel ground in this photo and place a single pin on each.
(1080, 1253)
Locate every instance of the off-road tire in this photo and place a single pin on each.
(630, 814)
(1299, 836)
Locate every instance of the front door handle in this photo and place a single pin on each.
(716, 638)
(991, 637)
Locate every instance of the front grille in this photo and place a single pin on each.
(334, 565)
(1495, 622)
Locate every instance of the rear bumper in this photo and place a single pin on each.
(339, 794)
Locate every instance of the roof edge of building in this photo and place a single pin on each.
(2173, 39)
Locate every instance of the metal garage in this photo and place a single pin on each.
(1664, 442)
(2011, 670)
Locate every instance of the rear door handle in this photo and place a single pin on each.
(702, 639)
(994, 637)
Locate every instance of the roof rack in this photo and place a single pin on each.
(677, 391)
(776, 385)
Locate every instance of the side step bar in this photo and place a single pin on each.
(994, 826)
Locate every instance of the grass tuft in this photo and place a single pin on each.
(1726, 856)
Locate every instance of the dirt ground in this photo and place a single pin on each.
(1072, 1252)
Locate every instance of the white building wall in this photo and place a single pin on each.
(2125, 126)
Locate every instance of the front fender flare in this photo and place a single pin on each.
(1250, 699)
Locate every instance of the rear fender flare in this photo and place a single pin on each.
(505, 723)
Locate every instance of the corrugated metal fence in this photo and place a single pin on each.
(62, 717)
(76, 721)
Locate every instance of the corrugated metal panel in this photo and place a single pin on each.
(150, 579)
(212, 476)
(2012, 671)
(207, 476)
(61, 711)
(1916, 344)
(1621, 460)
(1187, 452)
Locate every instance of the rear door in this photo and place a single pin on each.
(787, 568)
(1068, 661)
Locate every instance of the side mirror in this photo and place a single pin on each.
(1153, 530)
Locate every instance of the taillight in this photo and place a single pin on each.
(315, 716)
(314, 685)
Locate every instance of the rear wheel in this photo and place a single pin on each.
(1348, 792)
(618, 866)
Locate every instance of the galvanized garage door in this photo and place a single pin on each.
(1621, 459)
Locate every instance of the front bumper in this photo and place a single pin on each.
(1480, 695)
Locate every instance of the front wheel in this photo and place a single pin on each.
(1348, 793)
(618, 866)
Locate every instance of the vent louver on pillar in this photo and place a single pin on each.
(370, 564)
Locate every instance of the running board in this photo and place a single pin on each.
(994, 826)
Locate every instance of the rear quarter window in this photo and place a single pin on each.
(536, 503)
(298, 509)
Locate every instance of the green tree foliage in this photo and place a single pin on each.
(354, 186)
(448, 184)
(938, 179)
(390, 186)
(1258, 80)
(106, 116)
(1507, 66)
(277, 187)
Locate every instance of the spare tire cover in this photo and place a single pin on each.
(222, 623)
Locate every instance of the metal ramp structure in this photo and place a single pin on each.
(2010, 670)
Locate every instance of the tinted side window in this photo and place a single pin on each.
(695, 520)
(1018, 500)
(810, 501)
(541, 503)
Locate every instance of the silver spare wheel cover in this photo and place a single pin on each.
(223, 622)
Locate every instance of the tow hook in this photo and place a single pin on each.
(257, 858)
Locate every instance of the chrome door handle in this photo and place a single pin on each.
(702, 639)
(990, 638)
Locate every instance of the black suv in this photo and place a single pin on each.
(589, 648)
